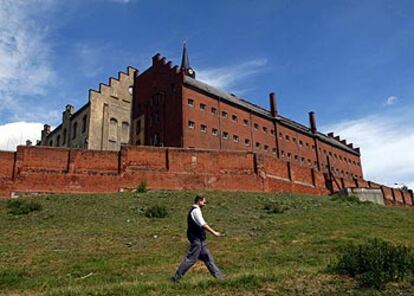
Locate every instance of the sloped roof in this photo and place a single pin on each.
(233, 99)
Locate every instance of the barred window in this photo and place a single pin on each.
(236, 138)
(191, 102)
(203, 128)
(191, 124)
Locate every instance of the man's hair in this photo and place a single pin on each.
(198, 198)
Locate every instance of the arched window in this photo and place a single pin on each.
(113, 130)
(85, 117)
(75, 129)
(64, 137)
(125, 133)
(51, 143)
(58, 141)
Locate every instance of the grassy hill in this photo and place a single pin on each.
(105, 245)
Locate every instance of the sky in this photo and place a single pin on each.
(349, 61)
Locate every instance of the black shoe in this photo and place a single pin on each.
(174, 280)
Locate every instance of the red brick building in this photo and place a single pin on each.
(172, 108)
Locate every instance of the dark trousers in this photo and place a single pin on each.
(198, 251)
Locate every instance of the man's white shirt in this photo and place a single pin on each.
(197, 216)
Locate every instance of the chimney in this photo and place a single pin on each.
(343, 142)
(357, 149)
(312, 122)
(337, 138)
(331, 135)
(28, 143)
(46, 128)
(273, 106)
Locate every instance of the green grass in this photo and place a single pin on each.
(105, 245)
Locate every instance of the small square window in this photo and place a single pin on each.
(274, 151)
(247, 142)
(256, 126)
(282, 153)
(266, 147)
(300, 142)
(213, 111)
(272, 132)
(287, 137)
(280, 136)
(191, 102)
(234, 117)
(214, 132)
(296, 157)
(224, 114)
(225, 135)
(236, 138)
(203, 128)
(289, 155)
(294, 140)
(190, 124)
(265, 129)
(203, 107)
(245, 122)
(257, 145)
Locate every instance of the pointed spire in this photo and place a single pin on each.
(185, 63)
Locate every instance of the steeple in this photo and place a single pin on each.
(185, 63)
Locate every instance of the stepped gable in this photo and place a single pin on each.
(231, 98)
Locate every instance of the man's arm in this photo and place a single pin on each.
(211, 230)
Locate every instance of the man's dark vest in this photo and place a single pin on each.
(194, 232)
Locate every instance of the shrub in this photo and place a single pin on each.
(375, 262)
(274, 208)
(156, 212)
(346, 198)
(22, 207)
(142, 187)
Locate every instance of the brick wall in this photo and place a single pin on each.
(54, 170)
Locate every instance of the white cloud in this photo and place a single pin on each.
(229, 76)
(16, 133)
(386, 143)
(391, 100)
(25, 67)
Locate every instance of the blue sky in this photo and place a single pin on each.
(352, 62)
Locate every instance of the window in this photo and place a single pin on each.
(125, 133)
(138, 127)
(58, 141)
(274, 151)
(51, 143)
(85, 117)
(224, 114)
(266, 147)
(225, 135)
(307, 144)
(247, 142)
(203, 128)
(245, 122)
(113, 130)
(202, 107)
(256, 126)
(300, 142)
(282, 153)
(280, 136)
(190, 124)
(257, 145)
(296, 157)
(287, 138)
(265, 129)
(64, 137)
(213, 111)
(214, 132)
(273, 132)
(235, 138)
(234, 117)
(289, 155)
(75, 129)
(191, 102)
(294, 140)
(313, 147)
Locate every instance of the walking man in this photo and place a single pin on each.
(196, 234)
